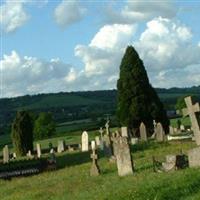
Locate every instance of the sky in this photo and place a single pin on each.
(61, 45)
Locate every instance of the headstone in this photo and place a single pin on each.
(85, 141)
(94, 170)
(123, 155)
(134, 141)
(107, 146)
(6, 154)
(124, 131)
(175, 130)
(97, 140)
(14, 155)
(182, 127)
(61, 146)
(191, 110)
(101, 133)
(194, 157)
(29, 154)
(38, 148)
(107, 127)
(160, 133)
(171, 130)
(143, 132)
(70, 148)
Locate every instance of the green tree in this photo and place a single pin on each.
(22, 133)
(137, 100)
(44, 126)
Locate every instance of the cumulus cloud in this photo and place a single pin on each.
(29, 75)
(68, 12)
(137, 11)
(12, 15)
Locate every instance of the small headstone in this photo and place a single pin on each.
(182, 127)
(194, 157)
(14, 155)
(134, 141)
(123, 155)
(97, 140)
(124, 131)
(171, 130)
(70, 148)
(61, 146)
(6, 154)
(38, 148)
(192, 111)
(101, 133)
(85, 141)
(107, 127)
(160, 133)
(94, 170)
(143, 132)
(29, 154)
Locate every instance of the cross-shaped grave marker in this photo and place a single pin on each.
(191, 110)
(94, 171)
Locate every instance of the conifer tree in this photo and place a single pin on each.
(22, 133)
(137, 100)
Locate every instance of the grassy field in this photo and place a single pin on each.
(72, 180)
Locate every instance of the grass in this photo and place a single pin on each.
(184, 120)
(72, 180)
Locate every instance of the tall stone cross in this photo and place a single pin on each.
(101, 133)
(107, 127)
(191, 110)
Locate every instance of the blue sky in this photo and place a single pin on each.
(52, 46)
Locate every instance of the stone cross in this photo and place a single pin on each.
(143, 132)
(38, 148)
(107, 127)
(123, 155)
(191, 110)
(124, 131)
(85, 141)
(160, 133)
(94, 170)
(101, 133)
(61, 146)
(6, 154)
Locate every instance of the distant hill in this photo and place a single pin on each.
(67, 106)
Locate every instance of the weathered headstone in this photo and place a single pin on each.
(134, 140)
(6, 154)
(101, 133)
(194, 157)
(97, 140)
(124, 131)
(85, 141)
(182, 127)
(61, 146)
(29, 154)
(94, 170)
(38, 148)
(170, 164)
(171, 130)
(160, 133)
(107, 146)
(123, 155)
(143, 132)
(191, 110)
(107, 127)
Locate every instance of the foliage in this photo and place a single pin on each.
(137, 100)
(44, 126)
(22, 133)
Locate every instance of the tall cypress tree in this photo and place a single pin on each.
(22, 133)
(137, 100)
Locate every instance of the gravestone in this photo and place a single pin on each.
(171, 130)
(107, 146)
(94, 170)
(6, 154)
(38, 148)
(124, 131)
(160, 133)
(61, 146)
(194, 157)
(123, 155)
(29, 154)
(170, 164)
(192, 110)
(134, 140)
(143, 132)
(107, 127)
(85, 141)
(97, 140)
(182, 127)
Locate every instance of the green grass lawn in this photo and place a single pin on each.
(72, 180)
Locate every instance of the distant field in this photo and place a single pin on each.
(72, 180)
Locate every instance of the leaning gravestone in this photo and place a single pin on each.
(61, 146)
(85, 141)
(191, 110)
(143, 132)
(194, 157)
(160, 133)
(6, 154)
(124, 131)
(123, 155)
(38, 148)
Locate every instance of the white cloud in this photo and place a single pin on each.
(68, 12)
(12, 15)
(29, 75)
